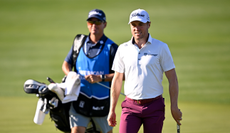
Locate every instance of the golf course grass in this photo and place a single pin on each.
(36, 35)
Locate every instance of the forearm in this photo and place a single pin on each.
(114, 95)
(66, 67)
(173, 92)
(173, 86)
(109, 77)
(115, 91)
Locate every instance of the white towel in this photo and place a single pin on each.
(39, 114)
(71, 88)
(55, 87)
(72, 83)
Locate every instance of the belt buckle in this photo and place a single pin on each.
(138, 102)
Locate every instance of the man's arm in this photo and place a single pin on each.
(173, 92)
(114, 95)
(97, 78)
(66, 67)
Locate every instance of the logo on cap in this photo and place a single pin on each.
(94, 13)
(138, 14)
(97, 13)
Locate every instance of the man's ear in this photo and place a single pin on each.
(149, 23)
(105, 24)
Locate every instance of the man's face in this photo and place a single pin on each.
(139, 30)
(96, 26)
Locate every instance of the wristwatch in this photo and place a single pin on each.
(102, 77)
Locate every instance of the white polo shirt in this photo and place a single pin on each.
(143, 67)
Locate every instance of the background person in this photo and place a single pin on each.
(94, 63)
(143, 66)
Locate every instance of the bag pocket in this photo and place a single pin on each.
(91, 107)
(83, 105)
(100, 107)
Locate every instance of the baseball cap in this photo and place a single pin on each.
(139, 15)
(97, 13)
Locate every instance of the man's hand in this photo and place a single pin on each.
(177, 115)
(112, 119)
(93, 78)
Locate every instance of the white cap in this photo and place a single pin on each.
(139, 15)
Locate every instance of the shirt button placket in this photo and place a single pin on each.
(139, 58)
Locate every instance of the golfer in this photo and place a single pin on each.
(142, 61)
(94, 63)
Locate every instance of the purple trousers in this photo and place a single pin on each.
(133, 115)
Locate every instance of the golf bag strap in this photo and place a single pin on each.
(92, 129)
(94, 126)
(78, 42)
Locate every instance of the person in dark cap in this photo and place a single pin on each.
(93, 63)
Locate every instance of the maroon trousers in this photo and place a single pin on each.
(151, 115)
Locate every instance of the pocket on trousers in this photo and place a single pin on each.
(123, 104)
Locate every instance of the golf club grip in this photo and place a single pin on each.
(50, 80)
(178, 128)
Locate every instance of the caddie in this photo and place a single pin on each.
(93, 63)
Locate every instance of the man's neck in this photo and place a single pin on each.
(141, 42)
(95, 38)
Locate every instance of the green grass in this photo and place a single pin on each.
(36, 35)
(17, 116)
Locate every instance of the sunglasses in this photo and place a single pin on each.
(98, 22)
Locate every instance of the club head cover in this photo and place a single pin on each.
(57, 90)
(32, 86)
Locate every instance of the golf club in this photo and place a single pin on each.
(108, 87)
(178, 128)
(103, 85)
(50, 80)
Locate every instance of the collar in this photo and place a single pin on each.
(149, 41)
(101, 41)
